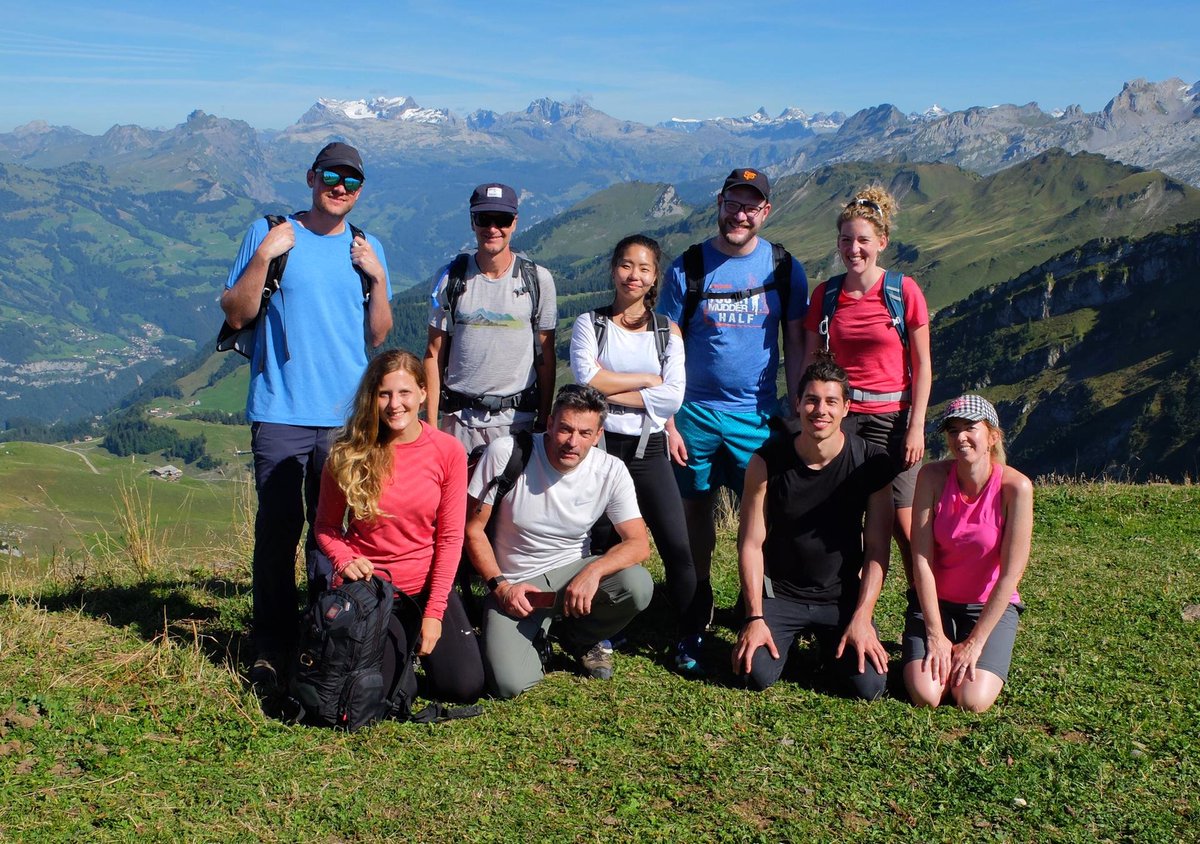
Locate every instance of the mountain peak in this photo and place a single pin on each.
(1142, 103)
(329, 110)
(552, 111)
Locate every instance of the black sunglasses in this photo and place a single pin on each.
(331, 180)
(487, 219)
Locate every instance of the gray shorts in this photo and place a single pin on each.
(472, 436)
(958, 620)
(889, 431)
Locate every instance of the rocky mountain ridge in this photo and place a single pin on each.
(1092, 357)
(1149, 124)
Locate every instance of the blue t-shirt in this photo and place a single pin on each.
(307, 374)
(732, 347)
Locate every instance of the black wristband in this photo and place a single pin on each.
(751, 618)
(494, 582)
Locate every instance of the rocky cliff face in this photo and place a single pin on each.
(1093, 358)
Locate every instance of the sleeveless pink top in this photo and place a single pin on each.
(966, 541)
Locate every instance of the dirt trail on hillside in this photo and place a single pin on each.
(81, 456)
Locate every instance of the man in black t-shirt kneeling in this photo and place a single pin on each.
(813, 542)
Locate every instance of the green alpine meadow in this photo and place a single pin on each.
(125, 715)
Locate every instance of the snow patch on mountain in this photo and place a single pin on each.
(377, 108)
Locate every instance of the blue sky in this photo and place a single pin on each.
(151, 63)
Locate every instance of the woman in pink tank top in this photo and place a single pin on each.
(972, 527)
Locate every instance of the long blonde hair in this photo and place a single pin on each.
(873, 204)
(361, 458)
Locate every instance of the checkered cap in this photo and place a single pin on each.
(972, 408)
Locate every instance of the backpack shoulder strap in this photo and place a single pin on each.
(662, 337)
(783, 281)
(693, 271)
(600, 320)
(277, 265)
(833, 288)
(456, 284)
(529, 275)
(506, 480)
(893, 298)
(356, 232)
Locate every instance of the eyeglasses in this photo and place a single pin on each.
(487, 219)
(331, 180)
(732, 207)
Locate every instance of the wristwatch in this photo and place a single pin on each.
(494, 582)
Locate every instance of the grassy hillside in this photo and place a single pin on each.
(73, 502)
(591, 228)
(958, 232)
(126, 717)
(1093, 358)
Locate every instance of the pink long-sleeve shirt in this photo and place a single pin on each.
(418, 541)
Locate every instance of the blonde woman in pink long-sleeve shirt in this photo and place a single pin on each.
(972, 527)
(393, 503)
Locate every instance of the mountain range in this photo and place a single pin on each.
(116, 244)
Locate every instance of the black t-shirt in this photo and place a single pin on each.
(814, 547)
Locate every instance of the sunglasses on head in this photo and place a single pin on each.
(331, 180)
(487, 219)
(866, 203)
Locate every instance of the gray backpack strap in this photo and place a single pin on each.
(529, 275)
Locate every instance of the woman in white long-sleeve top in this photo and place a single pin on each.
(635, 357)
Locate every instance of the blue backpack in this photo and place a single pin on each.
(892, 299)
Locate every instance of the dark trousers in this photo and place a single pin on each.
(454, 671)
(287, 476)
(787, 619)
(658, 499)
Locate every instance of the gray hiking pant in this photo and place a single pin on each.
(512, 660)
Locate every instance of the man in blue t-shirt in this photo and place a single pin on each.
(731, 340)
(309, 353)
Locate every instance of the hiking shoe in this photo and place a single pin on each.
(597, 662)
(541, 644)
(687, 655)
(264, 677)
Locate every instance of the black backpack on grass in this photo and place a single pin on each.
(337, 678)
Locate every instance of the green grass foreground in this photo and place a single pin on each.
(123, 716)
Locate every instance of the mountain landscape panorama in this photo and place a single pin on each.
(1053, 247)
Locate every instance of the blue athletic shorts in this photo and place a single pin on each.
(719, 447)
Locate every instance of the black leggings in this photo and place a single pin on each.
(454, 671)
(658, 499)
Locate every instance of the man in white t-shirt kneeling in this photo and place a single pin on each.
(538, 564)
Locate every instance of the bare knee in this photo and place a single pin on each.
(980, 694)
(923, 690)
